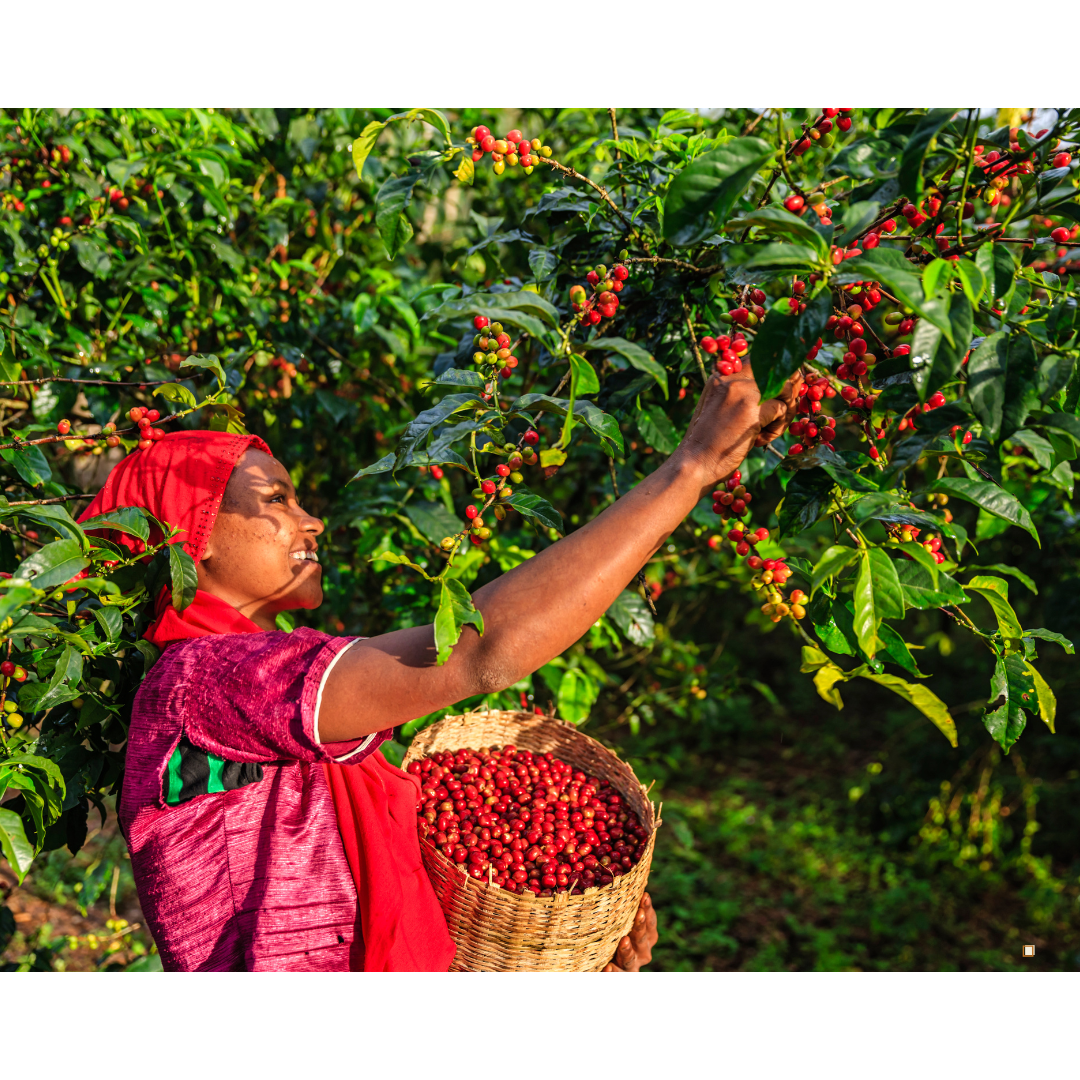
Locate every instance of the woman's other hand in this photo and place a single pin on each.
(635, 950)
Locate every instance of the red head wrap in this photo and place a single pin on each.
(180, 480)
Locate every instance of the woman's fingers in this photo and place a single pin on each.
(778, 412)
(635, 949)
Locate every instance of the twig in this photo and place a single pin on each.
(50, 502)
(95, 382)
(602, 192)
(655, 260)
(757, 120)
(693, 343)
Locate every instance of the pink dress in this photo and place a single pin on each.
(234, 841)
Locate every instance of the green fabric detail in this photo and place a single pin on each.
(217, 765)
(172, 792)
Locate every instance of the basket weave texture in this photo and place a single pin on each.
(496, 930)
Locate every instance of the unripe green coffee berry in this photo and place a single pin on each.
(479, 358)
(446, 543)
(516, 477)
(496, 328)
(484, 534)
(601, 271)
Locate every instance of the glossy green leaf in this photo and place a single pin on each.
(533, 506)
(18, 851)
(918, 144)
(1011, 571)
(1021, 390)
(834, 559)
(806, 498)
(896, 649)
(781, 222)
(577, 694)
(657, 429)
(971, 279)
(925, 700)
(1050, 635)
(208, 363)
(701, 197)
(921, 592)
(183, 575)
(934, 358)
(877, 596)
(363, 144)
(583, 378)
(455, 611)
(1045, 699)
(64, 684)
(1012, 689)
(391, 202)
(433, 520)
(30, 463)
(991, 498)
(782, 342)
(632, 616)
(53, 565)
(635, 355)
(995, 591)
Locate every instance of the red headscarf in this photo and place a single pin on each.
(181, 480)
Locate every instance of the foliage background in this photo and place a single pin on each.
(795, 836)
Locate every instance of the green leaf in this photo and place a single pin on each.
(400, 560)
(856, 219)
(455, 611)
(927, 702)
(10, 368)
(632, 616)
(778, 220)
(363, 144)
(936, 274)
(16, 848)
(383, 465)
(995, 591)
(583, 377)
(1021, 391)
(126, 519)
(782, 342)
(390, 204)
(877, 596)
(1003, 267)
(1011, 571)
(991, 498)
(701, 197)
(826, 675)
(897, 650)
(533, 506)
(64, 684)
(972, 279)
(934, 358)
(1044, 696)
(657, 429)
(577, 695)
(635, 355)
(433, 520)
(889, 266)
(1012, 689)
(986, 382)
(30, 463)
(1050, 635)
(184, 576)
(911, 160)
(774, 256)
(419, 429)
(832, 562)
(53, 565)
(111, 621)
(921, 592)
(177, 392)
(806, 498)
(211, 363)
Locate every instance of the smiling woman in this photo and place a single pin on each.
(265, 831)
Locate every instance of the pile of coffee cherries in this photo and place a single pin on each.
(512, 150)
(526, 822)
(604, 302)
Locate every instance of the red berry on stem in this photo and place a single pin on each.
(480, 322)
(63, 427)
(794, 203)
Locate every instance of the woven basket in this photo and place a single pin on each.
(496, 930)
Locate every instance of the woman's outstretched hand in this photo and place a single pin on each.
(635, 950)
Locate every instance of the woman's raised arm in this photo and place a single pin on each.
(540, 608)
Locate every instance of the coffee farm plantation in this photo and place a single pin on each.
(466, 337)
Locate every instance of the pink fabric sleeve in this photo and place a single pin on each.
(254, 697)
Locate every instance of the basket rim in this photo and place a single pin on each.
(625, 882)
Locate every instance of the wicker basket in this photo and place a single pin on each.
(496, 930)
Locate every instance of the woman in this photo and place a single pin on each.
(266, 832)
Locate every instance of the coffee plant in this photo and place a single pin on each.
(465, 337)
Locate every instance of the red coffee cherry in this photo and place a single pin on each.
(471, 512)
(481, 321)
(7, 669)
(63, 427)
(488, 487)
(794, 203)
(531, 438)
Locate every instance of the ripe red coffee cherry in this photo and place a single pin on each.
(437, 472)
(844, 123)
(63, 427)
(619, 272)
(592, 277)
(471, 512)
(503, 470)
(481, 321)
(794, 203)
(1060, 235)
(709, 344)
(153, 415)
(488, 487)
(1062, 160)
(513, 136)
(531, 438)
(7, 669)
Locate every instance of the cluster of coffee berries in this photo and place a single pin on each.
(967, 434)
(11, 717)
(494, 347)
(526, 822)
(146, 418)
(811, 433)
(512, 150)
(604, 302)
(87, 444)
(906, 534)
(821, 130)
(778, 606)
(750, 312)
(770, 574)
(732, 500)
(812, 391)
(907, 421)
(728, 349)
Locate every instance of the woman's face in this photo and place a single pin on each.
(260, 557)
